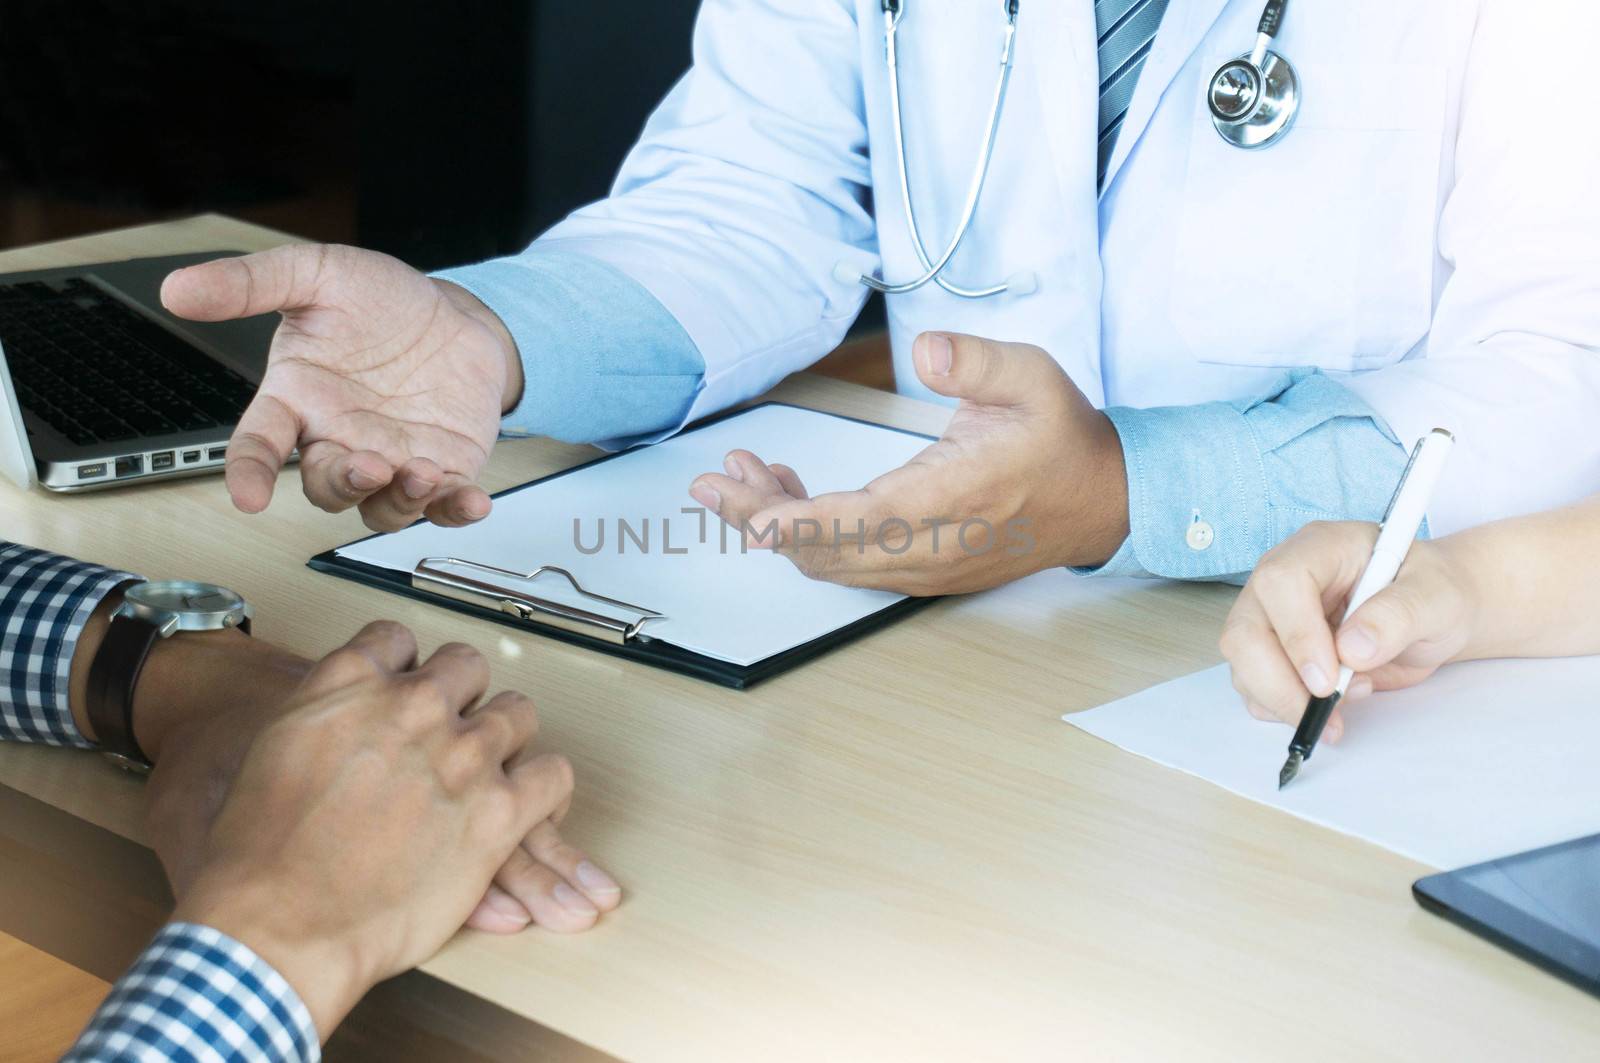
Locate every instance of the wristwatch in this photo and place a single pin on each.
(149, 613)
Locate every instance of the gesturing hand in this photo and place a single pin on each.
(390, 383)
(366, 822)
(1285, 641)
(1028, 475)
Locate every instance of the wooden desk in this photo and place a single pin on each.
(896, 852)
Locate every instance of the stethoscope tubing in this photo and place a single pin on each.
(933, 270)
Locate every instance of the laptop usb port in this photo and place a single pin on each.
(161, 461)
(91, 472)
(190, 457)
(216, 453)
(130, 466)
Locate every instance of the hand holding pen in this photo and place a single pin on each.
(1285, 639)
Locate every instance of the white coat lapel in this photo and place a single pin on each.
(1182, 28)
(1056, 56)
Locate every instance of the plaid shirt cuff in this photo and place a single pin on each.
(197, 994)
(45, 602)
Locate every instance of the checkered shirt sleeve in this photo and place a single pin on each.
(45, 601)
(196, 995)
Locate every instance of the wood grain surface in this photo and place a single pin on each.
(895, 852)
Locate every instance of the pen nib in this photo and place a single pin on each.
(1291, 768)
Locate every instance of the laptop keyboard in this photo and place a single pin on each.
(99, 372)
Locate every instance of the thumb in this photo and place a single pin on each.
(1396, 618)
(984, 371)
(284, 278)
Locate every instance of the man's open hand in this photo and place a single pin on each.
(391, 384)
(1028, 475)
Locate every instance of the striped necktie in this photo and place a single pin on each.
(1126, 29)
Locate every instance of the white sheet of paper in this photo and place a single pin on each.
(1483, 760)
(731, 606)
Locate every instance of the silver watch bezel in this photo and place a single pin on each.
(207, 614)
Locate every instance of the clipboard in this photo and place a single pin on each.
(489, 590)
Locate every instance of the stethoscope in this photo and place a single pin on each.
(1253, 101)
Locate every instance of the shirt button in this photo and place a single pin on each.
(1199, 536)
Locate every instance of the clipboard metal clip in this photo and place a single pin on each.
(429, 576)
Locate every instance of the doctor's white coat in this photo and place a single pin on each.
(1428, 233)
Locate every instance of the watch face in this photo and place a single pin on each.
(198, 606)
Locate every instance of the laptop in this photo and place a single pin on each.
(100, 387)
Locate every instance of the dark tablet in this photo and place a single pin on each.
(1542, 905)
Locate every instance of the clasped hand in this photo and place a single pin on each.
(346, 834)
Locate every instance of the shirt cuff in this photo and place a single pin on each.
(602, 360)
(196, 993)
(45, 603)
(1212, 487)
(1197, 493)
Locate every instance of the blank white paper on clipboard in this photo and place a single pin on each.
(1483, 760)
(720, 602)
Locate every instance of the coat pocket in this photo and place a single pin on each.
(1319, 250)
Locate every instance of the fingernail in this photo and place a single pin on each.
(573, 901)
(1358, 644)
(1333, 730)
(1360, 687)
(595, 880)
(362, 480)
(415, 487)
(1316, 679)
(507, 905)
(735, 470)
(475, 508)
(940, 354)
(706, 496)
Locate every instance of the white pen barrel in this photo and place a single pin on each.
(1404, 518)
(1400, 526)
(1380, 572)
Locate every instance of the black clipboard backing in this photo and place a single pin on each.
(654, 653)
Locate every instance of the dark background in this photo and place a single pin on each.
(437, 132)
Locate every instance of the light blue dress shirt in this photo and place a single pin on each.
(1210, 487)
(1213, 487)
(602, 361)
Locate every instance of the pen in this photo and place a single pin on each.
(1395, 536)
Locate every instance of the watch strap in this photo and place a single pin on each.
(113, 677)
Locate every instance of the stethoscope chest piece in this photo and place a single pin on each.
(1252, 105)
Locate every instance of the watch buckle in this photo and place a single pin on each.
(131, 765)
